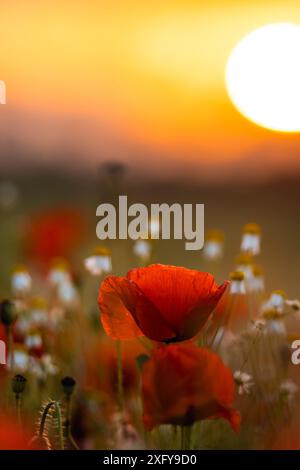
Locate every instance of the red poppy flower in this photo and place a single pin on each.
(55, 233)
(11, 436)
(182, 384)
(165, 303)
(288, 435)
(101, 366)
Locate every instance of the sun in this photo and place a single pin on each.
(263, 77)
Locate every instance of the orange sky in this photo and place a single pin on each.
(123, 79)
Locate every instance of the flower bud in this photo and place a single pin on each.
(18, 384)
(68, 384)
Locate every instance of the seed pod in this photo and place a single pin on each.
(68, 384)
(8, 313)
(18, 384)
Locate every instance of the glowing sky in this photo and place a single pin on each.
(126, 79)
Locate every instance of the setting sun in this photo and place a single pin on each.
(263, 76)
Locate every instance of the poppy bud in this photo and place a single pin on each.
(68, 384)
(7, 312)
(18, 384)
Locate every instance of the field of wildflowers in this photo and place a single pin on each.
(148, 356)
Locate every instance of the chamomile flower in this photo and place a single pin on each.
(237, 284)
(257, 282)
(19, 358)
(213, 246)
(244, 264)
(276, 300)
(251, 239)
(34, 343)
(67, 292)
(99, 262)
(59, 272)
(142, 249)
(243, 381)
(288, 388)
(43, 367)
(20, 280)
(38, 312)
(274, 321)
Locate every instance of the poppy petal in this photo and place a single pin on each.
(127, 313)
(151, 321)
(117, 297)
(198, 316)
(177, 291)
(183, 384)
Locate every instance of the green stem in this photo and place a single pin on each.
(120, 376)
(186, 437)
(18, 408)
(68, 433)
(10, 344)
(60, 427)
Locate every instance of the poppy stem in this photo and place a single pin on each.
(120, 376)
(10, 344)
(67, 425)
(186, 437)
(18, 408)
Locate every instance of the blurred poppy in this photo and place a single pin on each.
(56, 233)
(182, 384)
(101, 366)
(11, 436)
(164, 303)
(288, 435)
